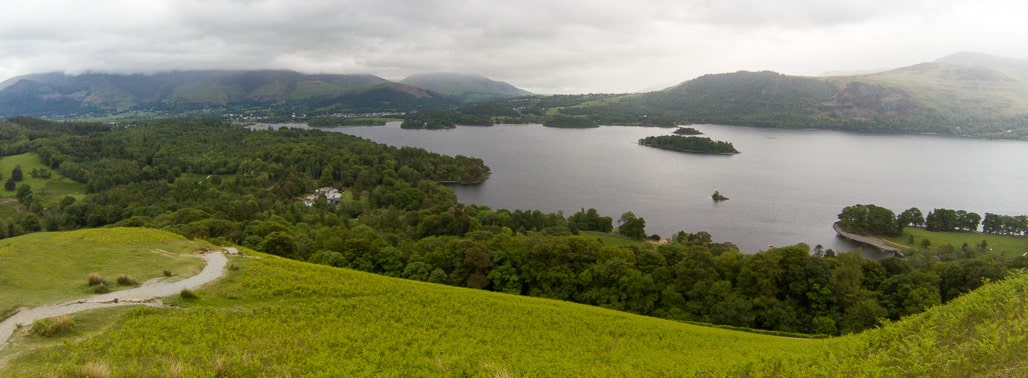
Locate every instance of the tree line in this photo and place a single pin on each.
(875, 220)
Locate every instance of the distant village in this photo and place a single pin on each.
(331, 195)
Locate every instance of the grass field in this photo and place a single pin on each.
(49, 190)
(1010, 246)
(275, 317)
(612, 240)
(44, 268)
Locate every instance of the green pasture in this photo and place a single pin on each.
(1010, 246)
(49, 267)
(49, 190)
(275, 317)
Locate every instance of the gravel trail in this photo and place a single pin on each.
(144, 294)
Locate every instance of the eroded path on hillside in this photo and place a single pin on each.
(145, 295)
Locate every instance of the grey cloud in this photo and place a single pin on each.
(800, 14)
(548, 45)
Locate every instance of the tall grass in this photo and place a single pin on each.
(278, 317)
(52, 326)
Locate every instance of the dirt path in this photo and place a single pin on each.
(144, 294)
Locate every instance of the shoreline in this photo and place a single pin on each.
(872, 241)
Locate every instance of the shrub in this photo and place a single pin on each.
(125, 280)
(101, 288)
(96, 279)
(187, 294)
(50, 327)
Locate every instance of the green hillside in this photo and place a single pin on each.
(251, 93)
(187, 92)
(30, 277)
(1006, 245)
(945, 98)
(277, 317)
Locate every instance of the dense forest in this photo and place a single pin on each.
(231, 185)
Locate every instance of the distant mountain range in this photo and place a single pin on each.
(961, 94)
(60, 95)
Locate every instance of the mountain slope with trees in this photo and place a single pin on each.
(286, 92)
(471, 88)
(963, 94)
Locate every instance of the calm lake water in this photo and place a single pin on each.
(786, 187)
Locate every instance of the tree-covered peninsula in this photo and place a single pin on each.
(698, 145)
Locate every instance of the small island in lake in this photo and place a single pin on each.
(688, 131)
(718, 197)
(689, 144)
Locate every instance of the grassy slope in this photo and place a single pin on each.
(1011, 246)
(959, 89)
(44, 268)
(48, 190)
(272, 316)
(983, 333)
(279, 317)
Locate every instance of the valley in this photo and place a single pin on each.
(465, 226)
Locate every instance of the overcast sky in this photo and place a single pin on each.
(548, 46)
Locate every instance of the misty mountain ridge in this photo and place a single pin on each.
(58, 94)
(961, 94)
(965, 93)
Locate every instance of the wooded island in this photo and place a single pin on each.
(698, 145)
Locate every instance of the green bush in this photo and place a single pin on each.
(125, 280)
(96, 279)
(50, 327)
(101, 288)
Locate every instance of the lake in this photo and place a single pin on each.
(786, 187)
